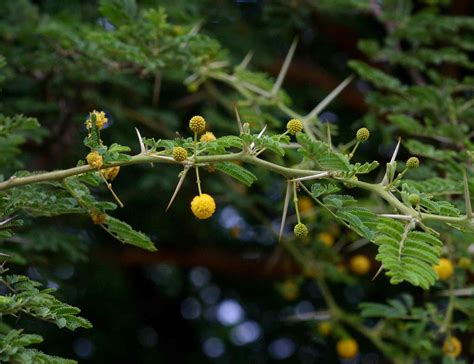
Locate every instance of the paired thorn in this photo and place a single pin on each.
(285, 209)
(284, 68)
(392, 160)
(327, 100)
(178, 186)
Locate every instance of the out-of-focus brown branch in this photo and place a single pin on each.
(242, 264)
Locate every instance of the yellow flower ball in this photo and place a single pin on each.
(110, 173)
(179, 154)
(203, 206)
(207, 137)
(452, 347)
(444, 268)
(324, 328)
(305, 204)
(363, 134)
(347, 348)
(326, 238)
(100, 118)
(197, 124)
(359, 264)
(94, 159)
(294, 126)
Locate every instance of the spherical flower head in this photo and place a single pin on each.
(326, 238)
(324, 328)
(100, 118)
(110, 173)
(203, 206)
(94, 159)
(414, 199)
(359, 264)
(207, 137)
(197, 124)
(465, 263)
(179, 154)
(347, 348)
(362, 135)
(300, 230)
(98, 217)
(294, 126)
(413, 162)
(444, 268)
(452, 347)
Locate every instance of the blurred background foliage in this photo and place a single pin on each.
(220, 291)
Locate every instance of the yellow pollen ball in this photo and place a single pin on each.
(203, 206)
(294, 126)
(207, 137)
(452, 347)
(110, 173)
(94, 159)
(347, 348)
(444, 268)
(326, 238)
(197, 124)
(359, 264)
(100, 118)
(179, 154)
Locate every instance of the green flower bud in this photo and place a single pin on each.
(301, 231)
(413, 162)
(363, 134)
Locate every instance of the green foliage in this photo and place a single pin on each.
(406, 254)
(239, 173)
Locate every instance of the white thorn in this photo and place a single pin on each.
(394, 156)
(284, 67)
(334, 93)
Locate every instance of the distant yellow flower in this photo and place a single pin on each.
(359, 264)
(326, 238)
(110, 173)
(347, 348)
(452, 347)
(444, 268)
(94, 159)
(207, 137)
(203, 206)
